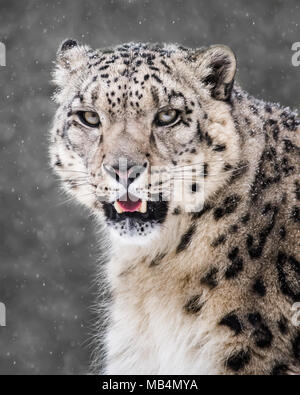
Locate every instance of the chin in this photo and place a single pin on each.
(136, 227)
(134, 238)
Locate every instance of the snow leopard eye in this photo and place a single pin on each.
(166, 117)
(89, 118)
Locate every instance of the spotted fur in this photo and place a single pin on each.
(205, 291)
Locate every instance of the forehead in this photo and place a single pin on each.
(134, 79)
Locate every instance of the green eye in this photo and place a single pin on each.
(166, 117)
(89, 118)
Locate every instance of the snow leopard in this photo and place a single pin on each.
(204, 286)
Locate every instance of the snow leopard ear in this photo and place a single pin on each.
(68, 44)
(70, 58)
(217, 67)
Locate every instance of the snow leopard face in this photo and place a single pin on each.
(143, 132)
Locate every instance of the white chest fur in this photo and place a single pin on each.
(149, 331)
(154, 336)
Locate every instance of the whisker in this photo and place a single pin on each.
(80, 184)
(71, 199)
(197, 163)
(71, 171)
(187, 171)
(75, 179)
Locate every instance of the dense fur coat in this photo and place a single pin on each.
(208, 290)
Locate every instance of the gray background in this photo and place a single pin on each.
(47, 248)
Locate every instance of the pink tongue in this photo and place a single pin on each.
(130, 206)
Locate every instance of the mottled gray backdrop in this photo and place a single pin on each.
(47, 248)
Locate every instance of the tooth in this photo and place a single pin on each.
(143, 208)
(118, 208)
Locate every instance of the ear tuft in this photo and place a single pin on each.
(219, 63)
(68, 44)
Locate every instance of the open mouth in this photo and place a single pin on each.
(135, 211)
(130, 206)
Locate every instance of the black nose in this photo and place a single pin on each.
(125, 174)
